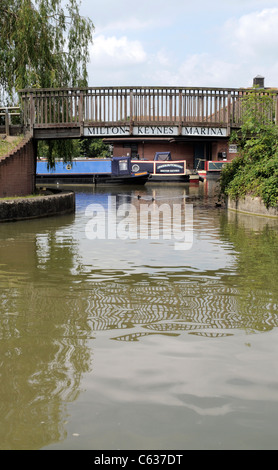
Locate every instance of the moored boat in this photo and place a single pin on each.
(117, 170)
(90, 171)
(162, 168)
(212, 168)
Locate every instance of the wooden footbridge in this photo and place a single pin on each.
(132, 112)
(126, 113)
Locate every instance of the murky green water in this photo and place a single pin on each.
(132, 344)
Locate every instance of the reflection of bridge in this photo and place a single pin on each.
(129, 112)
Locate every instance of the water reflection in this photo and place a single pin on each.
(60, 292)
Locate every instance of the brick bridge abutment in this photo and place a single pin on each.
(18, 170)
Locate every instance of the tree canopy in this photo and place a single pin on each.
(43, 43)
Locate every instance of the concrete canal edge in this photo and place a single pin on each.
(252, 205)
(46, 204)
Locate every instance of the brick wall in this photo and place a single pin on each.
(179, 151)
(221, 147)
(17, 170)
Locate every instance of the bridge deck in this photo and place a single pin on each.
(67, 112)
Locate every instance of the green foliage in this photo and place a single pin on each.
(68, 149)
(94, 148)
(65, 150)
(255, 171)
(42, 44)
(258, 113)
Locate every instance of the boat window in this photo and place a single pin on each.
(123, 165)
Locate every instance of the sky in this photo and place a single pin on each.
(203, 43)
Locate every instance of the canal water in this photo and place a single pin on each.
(117, 337)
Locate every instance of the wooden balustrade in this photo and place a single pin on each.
(50, 108)
(8, 112)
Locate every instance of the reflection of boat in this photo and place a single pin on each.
(164, 170)
(140, 179)
(107, 171)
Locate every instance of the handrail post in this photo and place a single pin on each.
(229, 114)
(131, 105)
(180, 112)
(32, 114)
(7, 122)
(81, 112)
(26, 112)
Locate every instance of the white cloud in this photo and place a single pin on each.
(206, 70)
(241, 48)
(163, 59)
(129, 24)
(246, 47)
(116, 61)
(255, 35)
(202, 70)
(112, 51)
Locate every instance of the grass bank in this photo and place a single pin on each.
(38, 193)
(18, 197)
(9, 143)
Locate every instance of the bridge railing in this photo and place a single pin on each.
(73, 107)
(6, 114)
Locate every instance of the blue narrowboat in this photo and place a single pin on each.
(117, 170)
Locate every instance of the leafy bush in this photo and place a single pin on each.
(255, 171)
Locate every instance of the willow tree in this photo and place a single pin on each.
(43, 44)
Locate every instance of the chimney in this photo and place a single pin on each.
(258, 81)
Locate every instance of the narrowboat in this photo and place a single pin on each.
(212, 169)
(163, 169)
(117, 170)
(91, 171)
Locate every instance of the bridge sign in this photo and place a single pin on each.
(117, 131)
